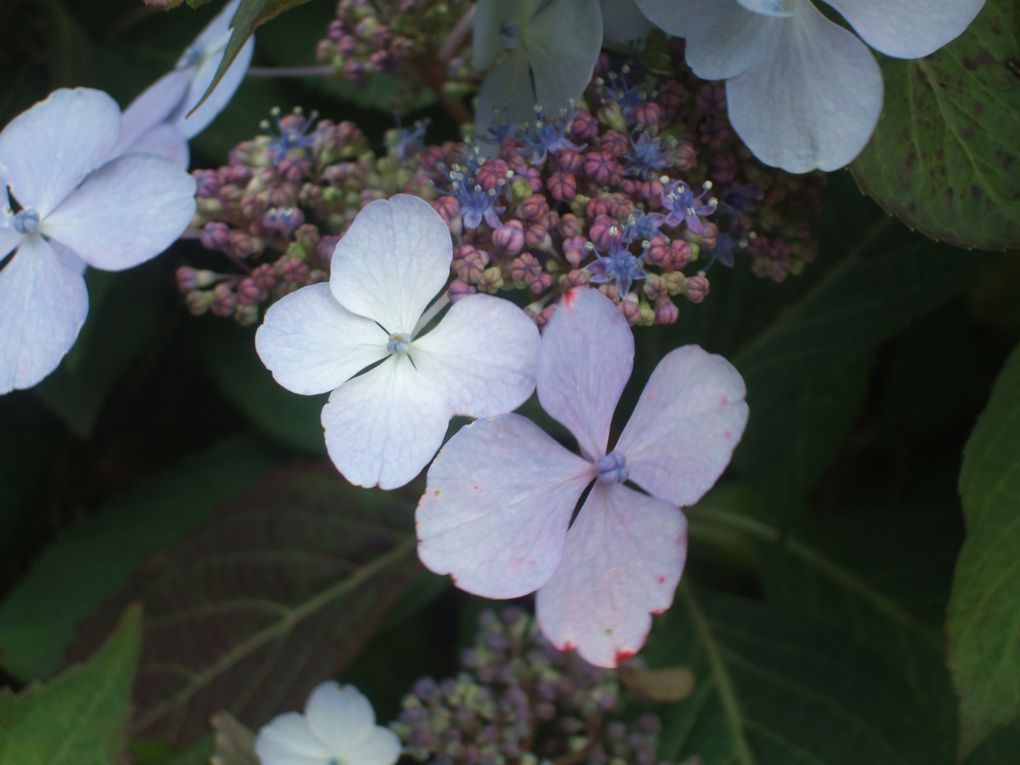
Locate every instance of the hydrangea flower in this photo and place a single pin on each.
(383, 426)
(65, 202)
(804, 92)
(500, 496)
(158, 120)
(338, 727)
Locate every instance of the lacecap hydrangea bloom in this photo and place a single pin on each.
(804, 92)
(496, 513)
(383, 426)
(67, 200)
(337, 728)
(160, 120)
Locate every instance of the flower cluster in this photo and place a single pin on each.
(519, 700)
(641, 190)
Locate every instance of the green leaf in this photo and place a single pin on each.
(89, 563)
(945, 154)
(279, 590)
(773, 689)
(984, 619)
(808, 370)
(80, 717)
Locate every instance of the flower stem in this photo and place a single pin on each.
(290, 71)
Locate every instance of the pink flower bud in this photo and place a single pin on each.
(570, 161)
(697, 288)
(584, 127)
(666, 312)
(649, 114)
(493, 173)
(216, 236)
(224, 301)
(249, 292)
(509, 238)
(576, 277)
(525, 268)
(562, 186)
(615, 142)
(575, 250)
(605, 232)
(536, 235)
(569, 225)
(533, 207)
(459, 289)
(469, 263)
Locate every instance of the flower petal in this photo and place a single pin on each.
(584, 361)
(726, 40)
(392, 261)
(685, 426)
(340, 716)
(623, 23)
(47, 151)
(42, 307)
(312, 344)
(495, 511)
(153, 106)
(622, 562)
(288, 740)
(507, 94)
(482, 354)
(192, 125)
(9, 239)
(814, 99)
(163, 141)
(675, 17)
(562, 64)
(128, 211)
(383, 427)
(380, 747)
(908, 28)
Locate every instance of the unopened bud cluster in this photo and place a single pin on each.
(519, 701)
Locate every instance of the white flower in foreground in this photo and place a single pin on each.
(337, 728)
(803, 92)
(383, 426)
(157, 121)
(65, 203)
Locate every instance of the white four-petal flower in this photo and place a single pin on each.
(382, 427)
(337, 728)
(70, 204)
(159, 120)
(803, 92)
(496, 513)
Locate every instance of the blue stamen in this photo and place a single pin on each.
(612, 468)
(398, 343)
(26, 222)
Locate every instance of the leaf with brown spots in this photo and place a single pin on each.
(945, 157)
(275, 593)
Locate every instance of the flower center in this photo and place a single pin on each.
(508, 34)
(612, 468)
(399, 343)
(26, 221)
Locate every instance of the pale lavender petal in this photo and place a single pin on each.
(9, 238)
(380, 747)
(482, 354)
(562, 64)
(48, 150)
(312, 344)
(128, 211)
(192, 125)
(163, 141)
(686, 424)
(42, 307)
(621, 564)
(727, 40)
(813, 101)
(497, 505)
(392, 261)
(152, 107)
(384, 426)
(908, 28)
(340, 716)
(584, 361)
(288, 740)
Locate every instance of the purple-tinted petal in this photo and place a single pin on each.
(9, 238)
(908, 28)
(312, 344)
(584, 361)
(42, 308)
(482, 354)
(128, 211)
(685, 426)
(727, 40)
(384, 426)
(163, 141)
(48, 150)
(192, 125)
(392, 261)
(496, 508)
(153, 106)
(621, 564)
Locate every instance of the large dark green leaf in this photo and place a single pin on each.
(946, 154)
(984, 612)
(80, 717)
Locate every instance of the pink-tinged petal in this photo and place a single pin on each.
(392, 261)
(814, 99)
(340, 716)
(288, 740)
(621, 564)
(152, 107)
(482, 354)
(125, 213)
(312, 344)
(380, 747)
(584, 361)
(727, 40)
(497, 505)
(688, 421)
(192, 125)
(48, 150)
(42, 307)
(384, 426)
(163, 141)
(908, 28)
